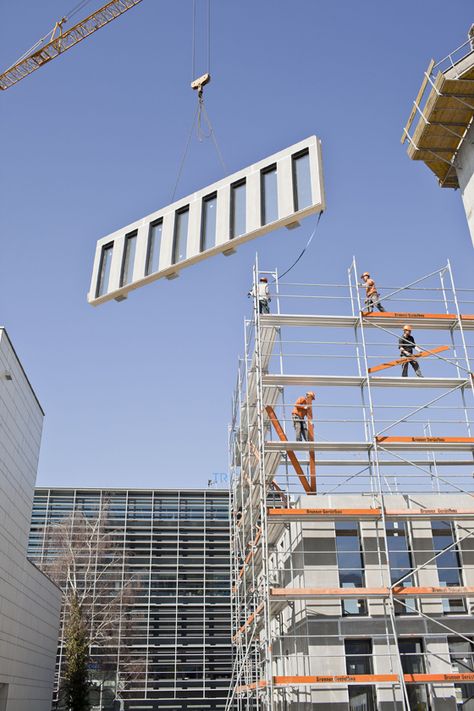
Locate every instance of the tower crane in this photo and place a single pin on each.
(60, 40)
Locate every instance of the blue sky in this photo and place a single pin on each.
(138, 393)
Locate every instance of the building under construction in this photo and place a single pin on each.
(352, 552)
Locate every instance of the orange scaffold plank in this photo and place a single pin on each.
(300, 514)
(250, 555)
(312, 458)
(349, 593)
(428, 440)
(408, 315)
(291, 455)
(248, 621)
(371, 679)
(460, 677)
(251, 687)
(400, 361)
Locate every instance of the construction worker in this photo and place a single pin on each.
(371, 294)
(301, 413)
(407, 345)
(263, 294)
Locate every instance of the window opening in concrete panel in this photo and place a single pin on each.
(413, 662)
(208, 224)
(448, 564)
(301, 180)
(104, 269)
(350, 564)
(128, 258)
(269, 194)
(400, 560)
(461, 654)
(180, 234)
(238, 209)
(154, 246)
(359, 661)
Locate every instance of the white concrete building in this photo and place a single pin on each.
(29, 601)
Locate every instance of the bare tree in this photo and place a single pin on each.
(84, 556)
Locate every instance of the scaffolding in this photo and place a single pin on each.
(361, 535)
(443, 109)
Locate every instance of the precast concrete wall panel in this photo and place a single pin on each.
(299, 193)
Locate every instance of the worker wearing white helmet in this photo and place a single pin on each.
(371, 294)
(407, 345)
(302, 412)
(263, 295)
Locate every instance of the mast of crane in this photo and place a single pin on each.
(66, 39)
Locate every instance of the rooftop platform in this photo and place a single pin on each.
(445, 107)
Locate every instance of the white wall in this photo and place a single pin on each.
(29, 601)
(465, 171)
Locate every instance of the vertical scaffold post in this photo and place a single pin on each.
(388, 602)
(265, 582)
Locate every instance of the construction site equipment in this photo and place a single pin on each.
(400, 361)
(58, 44)
(278, 191)
(389, 532)
(199, 83)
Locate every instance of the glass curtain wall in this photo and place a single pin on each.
(174, 648)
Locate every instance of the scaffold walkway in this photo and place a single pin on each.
(390, 461)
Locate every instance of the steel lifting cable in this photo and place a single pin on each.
(200, 115)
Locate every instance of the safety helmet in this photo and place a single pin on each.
(263, 279)
(407, 327)
(310, 394)
(365, 274)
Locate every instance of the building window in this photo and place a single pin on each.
(448, 564)
(128, 258)
(301, 181)
(400, 560)
(208, 224)
(154, 246)
(359, 661)
(461, 653)
(350, 564)
(413, 662)
(269, 194)
(104, 269)
(180, 234)
(237, 209)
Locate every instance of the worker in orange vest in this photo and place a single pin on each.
(301, 413)
(371, 294)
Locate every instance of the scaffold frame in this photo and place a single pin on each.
(271, 505)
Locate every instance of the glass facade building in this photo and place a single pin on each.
(176, 634)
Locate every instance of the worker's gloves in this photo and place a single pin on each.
(418, 350)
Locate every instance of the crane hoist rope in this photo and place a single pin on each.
(201, 116)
